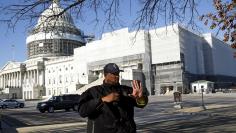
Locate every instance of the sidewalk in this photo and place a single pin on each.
(31, 129)
(48, 127)
(160, 112)
(199, 109)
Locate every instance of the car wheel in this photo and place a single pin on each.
(42, 111)
(75, 108)
(51, 109)
(4, 106)
(21, 105)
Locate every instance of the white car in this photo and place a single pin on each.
(11, 103)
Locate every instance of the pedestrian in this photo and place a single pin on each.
(110, 106)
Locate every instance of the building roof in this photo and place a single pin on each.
(202, 81)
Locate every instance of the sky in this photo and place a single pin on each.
(13, 43)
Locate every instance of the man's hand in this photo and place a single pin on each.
(137, 89)
(114, 96)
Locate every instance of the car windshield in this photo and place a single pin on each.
(48, 98)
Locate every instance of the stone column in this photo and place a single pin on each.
(9, 79)
(13, 79)
(43, 77)
(20, 79)
(37, 76)
(6, 83)
(4, 80)
(28, 77)
(35, 81)
(17, 79)
(23, 79)
(1, 81)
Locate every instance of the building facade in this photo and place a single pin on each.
(170, 58)
(165, 59)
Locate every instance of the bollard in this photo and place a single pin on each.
(177, 100)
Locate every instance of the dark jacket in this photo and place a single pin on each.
(115, 117)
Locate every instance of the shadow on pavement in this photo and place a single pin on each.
(220, 120)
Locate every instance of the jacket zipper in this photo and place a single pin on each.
(93, 127)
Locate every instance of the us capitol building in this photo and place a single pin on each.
(61, 60)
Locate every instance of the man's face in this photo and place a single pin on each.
(112, 78)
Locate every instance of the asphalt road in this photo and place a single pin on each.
(158, 116)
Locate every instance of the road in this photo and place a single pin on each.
(158, 116)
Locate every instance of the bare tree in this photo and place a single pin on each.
(171, 11)
(150, 14)
(30, 10)
(224, 20)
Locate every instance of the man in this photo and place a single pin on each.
(110, 106)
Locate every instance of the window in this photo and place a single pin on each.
(72, 79)
(49, 92)
(60, 79)
(41, 93)
(194, 88)
(66, 90)
(202, 86)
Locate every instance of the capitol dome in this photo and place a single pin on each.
(55, 34)
(55, 9)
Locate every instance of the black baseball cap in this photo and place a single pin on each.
(112, 68)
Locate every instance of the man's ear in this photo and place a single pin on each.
(105, 74)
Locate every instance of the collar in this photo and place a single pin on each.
(110, 85)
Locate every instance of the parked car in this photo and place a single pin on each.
(11, 103)
(67, 102)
